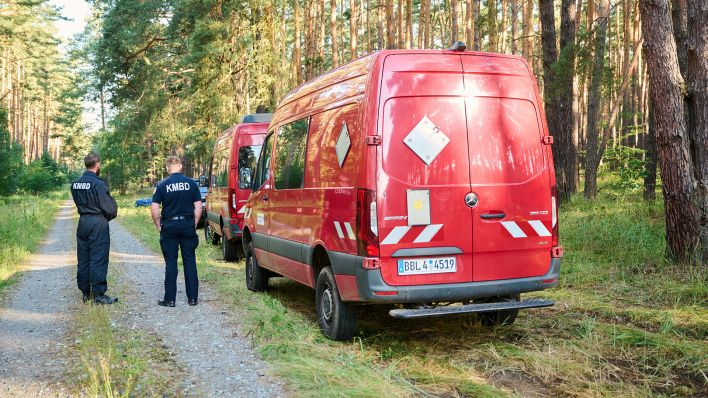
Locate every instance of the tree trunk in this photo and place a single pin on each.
(672, 142)
(353, 25)
(380, 27)
(697, 84)
(409, 24)
(564, 148)
(594, 102)
(492, 24)
(475, 31)
(297, 52)
(626, 116)
(679, 16)
(502, 37)
(333, 32)
(455, 27)
(390, 26)
(514, 25)
(527, 32)
(427, 39)
(650, 161)
(399, 25)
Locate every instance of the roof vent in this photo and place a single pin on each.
(458, 46)
(257, 118)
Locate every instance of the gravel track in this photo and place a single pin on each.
(204, 339)
(36, 313)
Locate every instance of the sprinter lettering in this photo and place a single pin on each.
(81, 185)
(177, 186)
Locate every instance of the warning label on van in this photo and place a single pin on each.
(416, 266)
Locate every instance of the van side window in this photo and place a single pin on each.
(247, 156)
(261, 174)
(223, 175)
(290, 155)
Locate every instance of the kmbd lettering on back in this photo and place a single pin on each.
(81, 185)
(177, 186)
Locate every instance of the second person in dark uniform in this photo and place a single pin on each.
(181, 209)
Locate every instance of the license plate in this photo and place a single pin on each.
(416, 266)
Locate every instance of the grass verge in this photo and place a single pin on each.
(24, 221)
(111, 360)
(626, 323)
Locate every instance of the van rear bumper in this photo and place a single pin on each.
(370, 282)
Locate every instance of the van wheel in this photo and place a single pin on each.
(209, 236)
(229, 249)
(256, 277)
(501, 317)
(336, 318)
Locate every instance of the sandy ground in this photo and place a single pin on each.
(207, 341)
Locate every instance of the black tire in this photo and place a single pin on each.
(229, 248)
(209, 236)
(336, 318)
(501, 317)
(256, 277)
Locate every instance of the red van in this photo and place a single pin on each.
(420, 178)
(235, 155)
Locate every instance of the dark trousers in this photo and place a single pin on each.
(180, 234)
(93, 241)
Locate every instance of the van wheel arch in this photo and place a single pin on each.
(318, 261)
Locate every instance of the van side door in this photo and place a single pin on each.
(285, 230)
(259, 202)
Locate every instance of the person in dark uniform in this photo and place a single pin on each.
(181, 209)
(93, 240)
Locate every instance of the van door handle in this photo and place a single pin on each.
(265, 198)
(489, 216)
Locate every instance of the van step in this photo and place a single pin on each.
(409, 313)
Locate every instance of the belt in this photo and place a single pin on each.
(181, 218)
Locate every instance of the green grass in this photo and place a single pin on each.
(627, 323)
(112, 361)
(24, 220)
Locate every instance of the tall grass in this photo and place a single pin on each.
(24, 221)
(112, 360)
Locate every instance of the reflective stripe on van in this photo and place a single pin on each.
(426, 234)
(516, 232)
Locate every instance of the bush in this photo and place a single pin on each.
(43, 175)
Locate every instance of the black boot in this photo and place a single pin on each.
(192, 302)
(166, 303)
(86, 297)
(103, 299)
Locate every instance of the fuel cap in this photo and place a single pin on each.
(471, 199)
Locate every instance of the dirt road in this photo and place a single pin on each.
(36, 315)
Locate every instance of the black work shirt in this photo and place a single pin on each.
(91, 196)
(177, 195)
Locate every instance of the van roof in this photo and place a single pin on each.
(362, 66)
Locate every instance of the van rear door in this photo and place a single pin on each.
(424, 226)
(509, 170)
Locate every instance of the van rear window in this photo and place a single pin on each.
(247, 158)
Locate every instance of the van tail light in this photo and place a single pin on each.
(366, 223)
(554, 215)
(232, 203)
